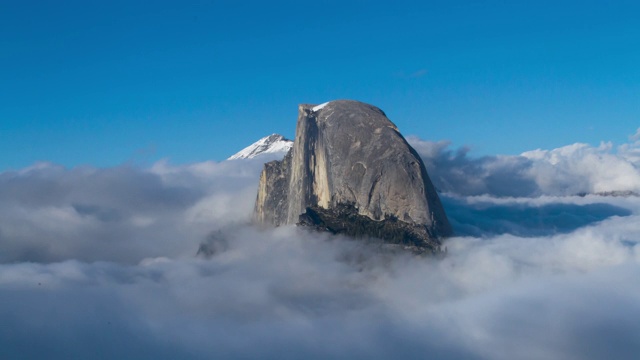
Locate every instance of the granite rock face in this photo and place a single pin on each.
(348, 155)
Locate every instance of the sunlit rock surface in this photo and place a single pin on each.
(349, 161)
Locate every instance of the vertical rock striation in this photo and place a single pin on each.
(351, 171)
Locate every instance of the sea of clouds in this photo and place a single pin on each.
(101, 264)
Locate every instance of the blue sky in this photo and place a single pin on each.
(107, 83)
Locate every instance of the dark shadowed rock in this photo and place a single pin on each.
(352, 172)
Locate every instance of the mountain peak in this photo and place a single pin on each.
(351, 172)
(272, 144)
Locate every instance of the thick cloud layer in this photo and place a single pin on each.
(100, 263)
(570, 170)
(122, 214)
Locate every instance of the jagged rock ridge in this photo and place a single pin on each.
(349, 163)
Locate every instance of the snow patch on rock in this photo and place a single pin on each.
(319, 107)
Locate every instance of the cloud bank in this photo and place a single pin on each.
(100, 263)
(569, 170)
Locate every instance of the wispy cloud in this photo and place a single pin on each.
(412, 75)
(418, 74)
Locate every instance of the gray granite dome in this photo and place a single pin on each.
(349, 155)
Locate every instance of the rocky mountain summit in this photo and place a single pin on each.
(350, 171)
(272, 144)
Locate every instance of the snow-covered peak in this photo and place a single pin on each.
(272, 144)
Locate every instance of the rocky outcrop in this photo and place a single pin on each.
(349, 161)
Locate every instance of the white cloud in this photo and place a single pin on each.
(582, 168)
(569, 170)
(102, 261)
(631, 150)
(123, 214)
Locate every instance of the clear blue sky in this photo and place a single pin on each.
(110, 82)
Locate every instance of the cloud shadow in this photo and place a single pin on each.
(521, 219)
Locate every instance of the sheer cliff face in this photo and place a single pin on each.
(348, 152)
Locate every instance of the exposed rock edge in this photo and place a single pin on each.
(350, 171)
